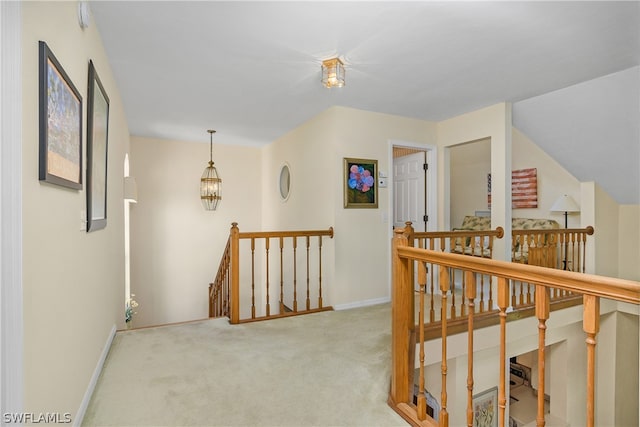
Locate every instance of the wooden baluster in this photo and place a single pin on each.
(490, 304)
(453, 294)
(227, 287)
(401, 321)
(482, 283)
(432, 312)
(522, 294)
(444, 288)
(503, 302)
(253, 278)
(529, 296)
(542, 313)
(295, 275)
(514, 300)
(471, 296)
(320, 272)
(281, 275)
(268, 307)
(563, 250)
(591, 325)
(555, 259)
(579, 260)
(211, 301)
(308, 299)
(463, 304)
(235, 273)
(422, 399)
(421, 245)
(584, 247)
(573, 252)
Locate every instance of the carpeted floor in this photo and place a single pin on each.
(324, 369)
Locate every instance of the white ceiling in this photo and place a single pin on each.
(251, 70)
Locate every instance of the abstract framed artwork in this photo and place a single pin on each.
(360, 186)
(60, 122)
(97, 144)
(485, 408)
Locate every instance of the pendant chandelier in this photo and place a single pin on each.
(210, 183)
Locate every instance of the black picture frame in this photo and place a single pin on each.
(60, 123)
(97, 151)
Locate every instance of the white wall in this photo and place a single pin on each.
(73, 281)
(492, 122)
(359, 269)
(629, 242)
(470, 164)
(176, 245)
(553, 180)
(627, 370)
(606, 234)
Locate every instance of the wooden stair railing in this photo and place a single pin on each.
(219, 289)
(225, 291)
(546, 248)
(405, 332)
(563, 248)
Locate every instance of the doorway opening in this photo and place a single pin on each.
(413, 190)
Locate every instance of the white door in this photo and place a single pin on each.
(409, 190)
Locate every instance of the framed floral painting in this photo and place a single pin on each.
(485, 408)
(360, 186)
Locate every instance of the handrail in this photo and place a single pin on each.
(230, 269)
(611, 288)
(268, 234)
(591, 287)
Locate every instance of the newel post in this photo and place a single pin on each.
(235, 274)
(401, 322)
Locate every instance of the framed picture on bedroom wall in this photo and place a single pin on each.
(60, 123)
(360, 186)
(97, 144)
(524, 189)
(485, 408)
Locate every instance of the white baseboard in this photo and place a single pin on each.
(94, 379)
(364, 303)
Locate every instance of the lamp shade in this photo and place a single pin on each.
(565, 203)
(130, 189)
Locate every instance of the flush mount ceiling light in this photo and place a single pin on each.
(332, 73)
(210, 183)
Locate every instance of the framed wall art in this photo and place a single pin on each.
(97, 144)
(360, 186)
(524, 189)
(60, 122)
(485, 408)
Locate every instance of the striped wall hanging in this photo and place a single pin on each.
(524, 189)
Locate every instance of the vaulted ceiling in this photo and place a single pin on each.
(251, 70)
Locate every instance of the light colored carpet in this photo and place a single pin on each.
(324, 369)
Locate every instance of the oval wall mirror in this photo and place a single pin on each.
(285, 182)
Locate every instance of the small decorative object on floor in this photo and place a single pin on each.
(128, 310)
